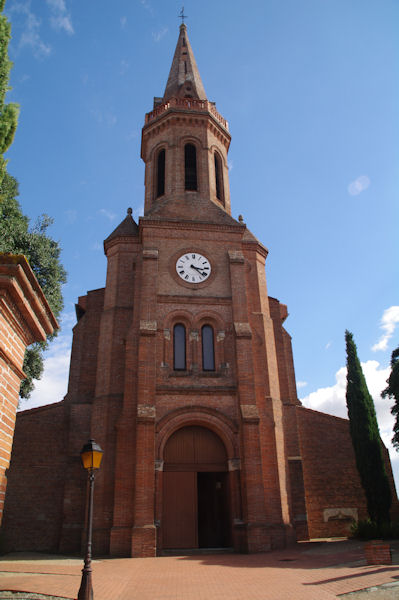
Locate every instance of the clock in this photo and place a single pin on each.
(192, 267)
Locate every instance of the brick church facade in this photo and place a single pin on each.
(182, 371)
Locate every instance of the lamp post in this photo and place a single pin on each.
(91, 456)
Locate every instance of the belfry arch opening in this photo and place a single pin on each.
(161, 173)
(218, 177)
(190, 167)
(196, 496)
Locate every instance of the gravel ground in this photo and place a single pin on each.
(388, 591)
(4, 595)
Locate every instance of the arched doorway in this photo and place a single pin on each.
(196, 512)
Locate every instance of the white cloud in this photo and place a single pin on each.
(96, 246)
(146, 4)
(388, 323)
(30, 36)
(138, 212)
(301, 384)
(106, 213)
(123, 21)
(60, 18)
(133, 135)
(57, 5)
(328, 345)
(359, 185)
(124, 67)
(103, 117)
(158, 35)
(53, 385)
(332, 400)
(71, 216)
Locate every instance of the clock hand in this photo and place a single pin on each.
(200, 271)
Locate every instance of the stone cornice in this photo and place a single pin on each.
(190, 299)
(13, 316)
(199, 389)
(118, 240)
(176, 116)
(11, 364)
(194, 225)
(255, 245)
(21, 285)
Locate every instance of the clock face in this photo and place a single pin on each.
(193, 267)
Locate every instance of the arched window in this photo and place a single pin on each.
(161, 173)
(179, 347)
(208, 348)
(190, 167)
(218, 177)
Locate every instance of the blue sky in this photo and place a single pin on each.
(310, 90)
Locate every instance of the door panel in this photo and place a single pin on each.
(180, 510)
(213, 510)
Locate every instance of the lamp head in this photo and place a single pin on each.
(91, 456)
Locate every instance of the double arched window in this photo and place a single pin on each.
(190, 167)
(179, 348)
(208, 348)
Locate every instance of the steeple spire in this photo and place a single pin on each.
(184, 80)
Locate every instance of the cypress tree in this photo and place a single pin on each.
(8, 112)
(366, 438)
(392, 391)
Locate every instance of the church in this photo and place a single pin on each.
(182, 371)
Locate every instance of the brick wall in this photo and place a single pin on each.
(34, 501)
(25, 317)
(332, 483)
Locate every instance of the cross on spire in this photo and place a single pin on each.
(182, 16)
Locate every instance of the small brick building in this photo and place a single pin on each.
(182, 370)
(25, 317)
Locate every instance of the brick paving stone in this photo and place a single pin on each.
(304, 572)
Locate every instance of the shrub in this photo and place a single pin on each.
(369, 530)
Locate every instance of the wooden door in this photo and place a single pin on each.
(180, 509)
(190, 452)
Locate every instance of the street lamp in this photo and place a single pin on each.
(91, 456)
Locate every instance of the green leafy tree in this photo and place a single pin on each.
(16, 236)
(392, 391)
(366, 438)
(43, 254)
(8, 112)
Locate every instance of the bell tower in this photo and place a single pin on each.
(184, 144)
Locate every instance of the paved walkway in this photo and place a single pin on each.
(307, 571)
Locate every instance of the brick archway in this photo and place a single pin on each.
(224, 433)
(224, 427)
(196, 504)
